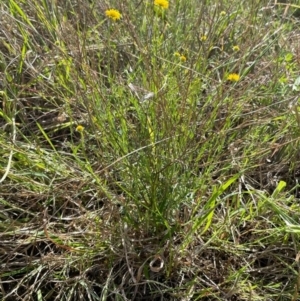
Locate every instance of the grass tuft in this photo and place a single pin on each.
(149, 150)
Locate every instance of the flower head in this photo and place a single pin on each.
(113, 14)
(182, 58)
(79, 128)
(236, 48)
(162, 3)
(223, 13)
(233, 77)
(203, 38)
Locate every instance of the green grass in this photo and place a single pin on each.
(131, 168)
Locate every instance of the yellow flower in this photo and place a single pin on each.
(79, 128)
(233, 77)
(203, 38)
(113, 14)
(236, 48)
(162, 3)
(223, 13)
(182, 58)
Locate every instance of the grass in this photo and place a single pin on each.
(151, 157)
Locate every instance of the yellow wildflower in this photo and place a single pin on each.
(79, 128)
(203, 38)
(162, 3)
(236, 48)
(223, 13)
(113, 14)
(233, 77)
(182, 58)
